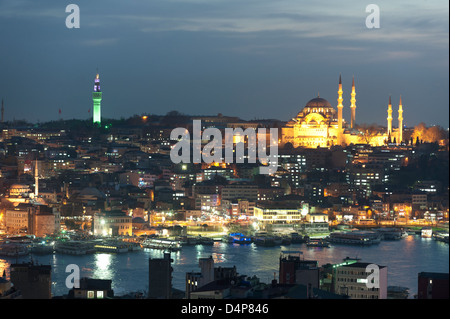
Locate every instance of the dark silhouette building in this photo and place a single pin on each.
(34, 281)
(92, 289)
(160, 277)
(432, 285)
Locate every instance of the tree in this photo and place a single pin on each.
(428, 134)
(368, 132)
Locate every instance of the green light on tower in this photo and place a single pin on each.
(97, 98)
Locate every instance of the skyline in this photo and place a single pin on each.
(251, 59)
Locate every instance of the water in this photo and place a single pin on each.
(404, 258)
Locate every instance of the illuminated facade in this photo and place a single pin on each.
(97, 98)
(318, 124)
(112, 223)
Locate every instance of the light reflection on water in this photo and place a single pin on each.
(129, 271)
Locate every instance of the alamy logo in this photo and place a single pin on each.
(73, 19)
(73, 279)
(373, 19)
(214, 151)
(373, 279)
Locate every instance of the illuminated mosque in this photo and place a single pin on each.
(319, 124)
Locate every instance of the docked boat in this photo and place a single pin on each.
(133, 246)
(441, 236)
(426, 232)
(9, 249)
(161, 243)
(73, 247)
(355, 237)
(391, 233)
(317, 243)
(238, 238)
(267, 241)
(296, 238)
(192, 241)
(112, 247)
(42, 249)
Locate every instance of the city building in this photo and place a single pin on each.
(160, 277)
(112, 223)
(92, 289)
(271, 214)
(354, 280)
(294, 270)
(432, 285)
(195, 280)
(33, 280)
(38, 220)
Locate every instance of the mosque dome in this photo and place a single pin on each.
(320, 106)
(318, 102)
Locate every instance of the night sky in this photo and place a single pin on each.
(255, 59)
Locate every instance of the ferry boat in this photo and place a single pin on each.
(317, 243)
(426, 232)
(161, 243)
(74, 247)
(112, 247)
(355, 237)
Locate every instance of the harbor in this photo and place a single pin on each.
(129, 270)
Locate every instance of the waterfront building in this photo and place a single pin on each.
(353, 280)
(268, 214)
(112, 223)
(34, 281)
(38, 220)
(432, 285)
(160, 277)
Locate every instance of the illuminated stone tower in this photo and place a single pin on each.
(400, 122)
(36, 179)
(97, 98)
(353, 104)
(339, 106)
(389, 118)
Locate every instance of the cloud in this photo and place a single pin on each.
(99, 42)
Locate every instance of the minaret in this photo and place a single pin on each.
(400, 122)
(339, 106)
(97, 98)
(353, 104)
(3, 112)
(389, 118)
